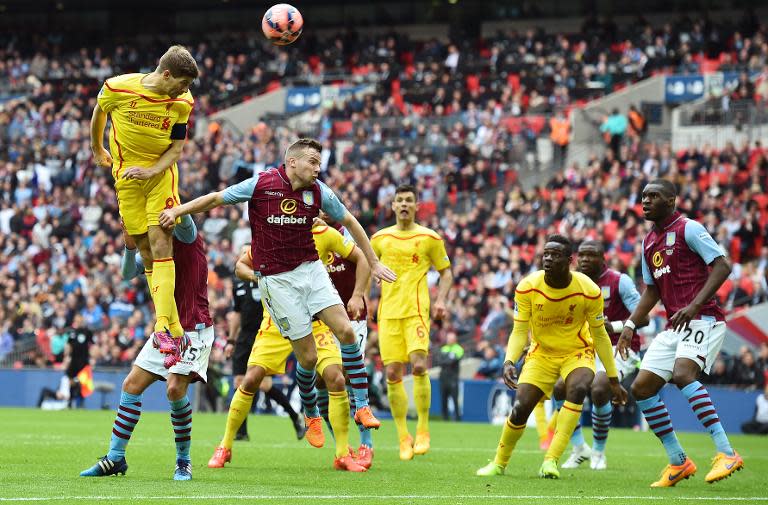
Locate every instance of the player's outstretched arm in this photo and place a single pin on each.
(101, 156)
(378, 270)
(201, 204)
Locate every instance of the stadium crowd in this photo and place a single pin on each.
(60, 242)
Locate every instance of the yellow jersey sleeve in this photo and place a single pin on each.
(185, 108)
(108, 99)
(438, 255)
(329, 240)
(594, 309)
(376, 245)
(522, 304)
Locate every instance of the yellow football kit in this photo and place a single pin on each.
(144, 125)
(567, 326)
(329, 241)
(270, 350)
(404, 318)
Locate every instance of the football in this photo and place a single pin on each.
(282, 24)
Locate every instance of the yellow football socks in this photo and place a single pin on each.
(509, 437)
(398, 404)
(148, 275)
(163, 286)
(238, 411)
(552, 426)
(566, 423)
(338, 414)
(422, 397)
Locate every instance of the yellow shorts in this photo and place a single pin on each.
(270, 350)
(141, 202)
(542, 370)
(398, 338)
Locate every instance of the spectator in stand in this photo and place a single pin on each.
(637, 123)
(720, 374)
(449, 359)
(492, 364)
(746, 372)
(560, 132)
(614, 127)
(759, 423)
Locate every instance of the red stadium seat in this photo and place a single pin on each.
(513, 81)
(626, 258)
(609, 231)
(342, 128)
(426, 210)
(536, 123)
(473, 82)
(708, 66)
(735, 249)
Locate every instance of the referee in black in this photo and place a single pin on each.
(244, 322)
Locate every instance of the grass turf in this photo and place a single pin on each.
(42, 453)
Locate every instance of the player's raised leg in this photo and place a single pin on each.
(128, 414)
(526, 399)
(336, 318)
(306, 357)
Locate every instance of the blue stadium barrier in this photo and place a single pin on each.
(480, 398)
(21, 388)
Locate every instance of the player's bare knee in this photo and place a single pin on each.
(394, 373)
(308, 361)
(576, 393)
(251, 381)
(682, 378)
(347, 335)
(131, 385)
(518, 415)
(335, 382)
(175, 391)
(600, 395)
(640, 390)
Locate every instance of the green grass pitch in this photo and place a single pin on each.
(42, 453)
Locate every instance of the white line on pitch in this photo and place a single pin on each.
(388, 497)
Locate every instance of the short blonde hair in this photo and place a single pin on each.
(179, 62)
(302, 144)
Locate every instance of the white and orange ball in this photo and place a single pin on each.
(282, 24)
